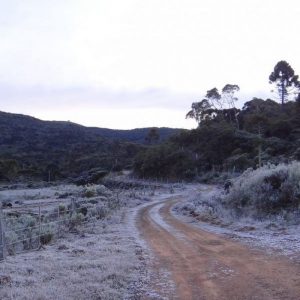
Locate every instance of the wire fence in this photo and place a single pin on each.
(31, 227)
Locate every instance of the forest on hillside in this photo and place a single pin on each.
(229, 139)
(32, 149)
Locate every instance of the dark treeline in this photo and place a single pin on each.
(231, 139)
(31, 149)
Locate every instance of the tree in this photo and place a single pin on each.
(152, 136)
(200, 111)
(216, 105)
(8, 169)
(214, 98)
(287, 84)
(228, 94)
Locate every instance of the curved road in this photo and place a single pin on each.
(204, 265)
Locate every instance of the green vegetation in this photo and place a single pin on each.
(31, 149)
(230, 139)
(286, 81)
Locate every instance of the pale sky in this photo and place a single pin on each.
(138, 63)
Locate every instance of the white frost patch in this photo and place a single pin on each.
(156, 217)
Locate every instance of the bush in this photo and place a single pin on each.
(266, 191)
(76, 220)
(61, 208)
(46, 237)
(89, 193)
(83, 210)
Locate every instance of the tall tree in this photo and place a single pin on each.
(216, 105)
(215, 98)
(200, 111)
(228, 95)
(152, 136)
(287, 84)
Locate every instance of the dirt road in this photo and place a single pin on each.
(208, 266)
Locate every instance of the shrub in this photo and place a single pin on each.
(79, 218)
(61, 208)
(47, 236)
(101, 211)
(83, 210)
(76, 220)
(266, 191)
(89, 193)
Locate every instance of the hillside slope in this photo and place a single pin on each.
(30, 147)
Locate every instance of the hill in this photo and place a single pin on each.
(33, 148)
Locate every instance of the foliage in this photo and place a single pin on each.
(283, 76)
(75, 220)
(164, 162)
(50, 151)
(266, 191)
(216, 105)
(266, 134)
(47, 234)
(153, 136)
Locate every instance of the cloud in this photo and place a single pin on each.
(105, 107)
(90, 97)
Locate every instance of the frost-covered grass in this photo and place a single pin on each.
(105, 263)
(204, 205)
(46, 194)
(103, 260)
(66, 208)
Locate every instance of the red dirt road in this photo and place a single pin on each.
(204, 265)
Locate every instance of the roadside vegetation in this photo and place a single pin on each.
(270, 193)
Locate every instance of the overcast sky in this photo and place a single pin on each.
(138, 63)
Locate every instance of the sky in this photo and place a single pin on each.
(138, 63)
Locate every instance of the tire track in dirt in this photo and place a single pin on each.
(204, 265)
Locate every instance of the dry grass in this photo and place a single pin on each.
(105, 263)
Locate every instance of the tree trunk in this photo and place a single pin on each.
(282, 93)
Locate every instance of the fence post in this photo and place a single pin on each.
(72, 206)
(58, 221)
(2, 235)
(40, 226)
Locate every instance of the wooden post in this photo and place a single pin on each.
(58, 221)
(40, 227)
(72, 206)
(2, 235)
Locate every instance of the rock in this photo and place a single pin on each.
(62, 247)
(246, 228)
(78, 251)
